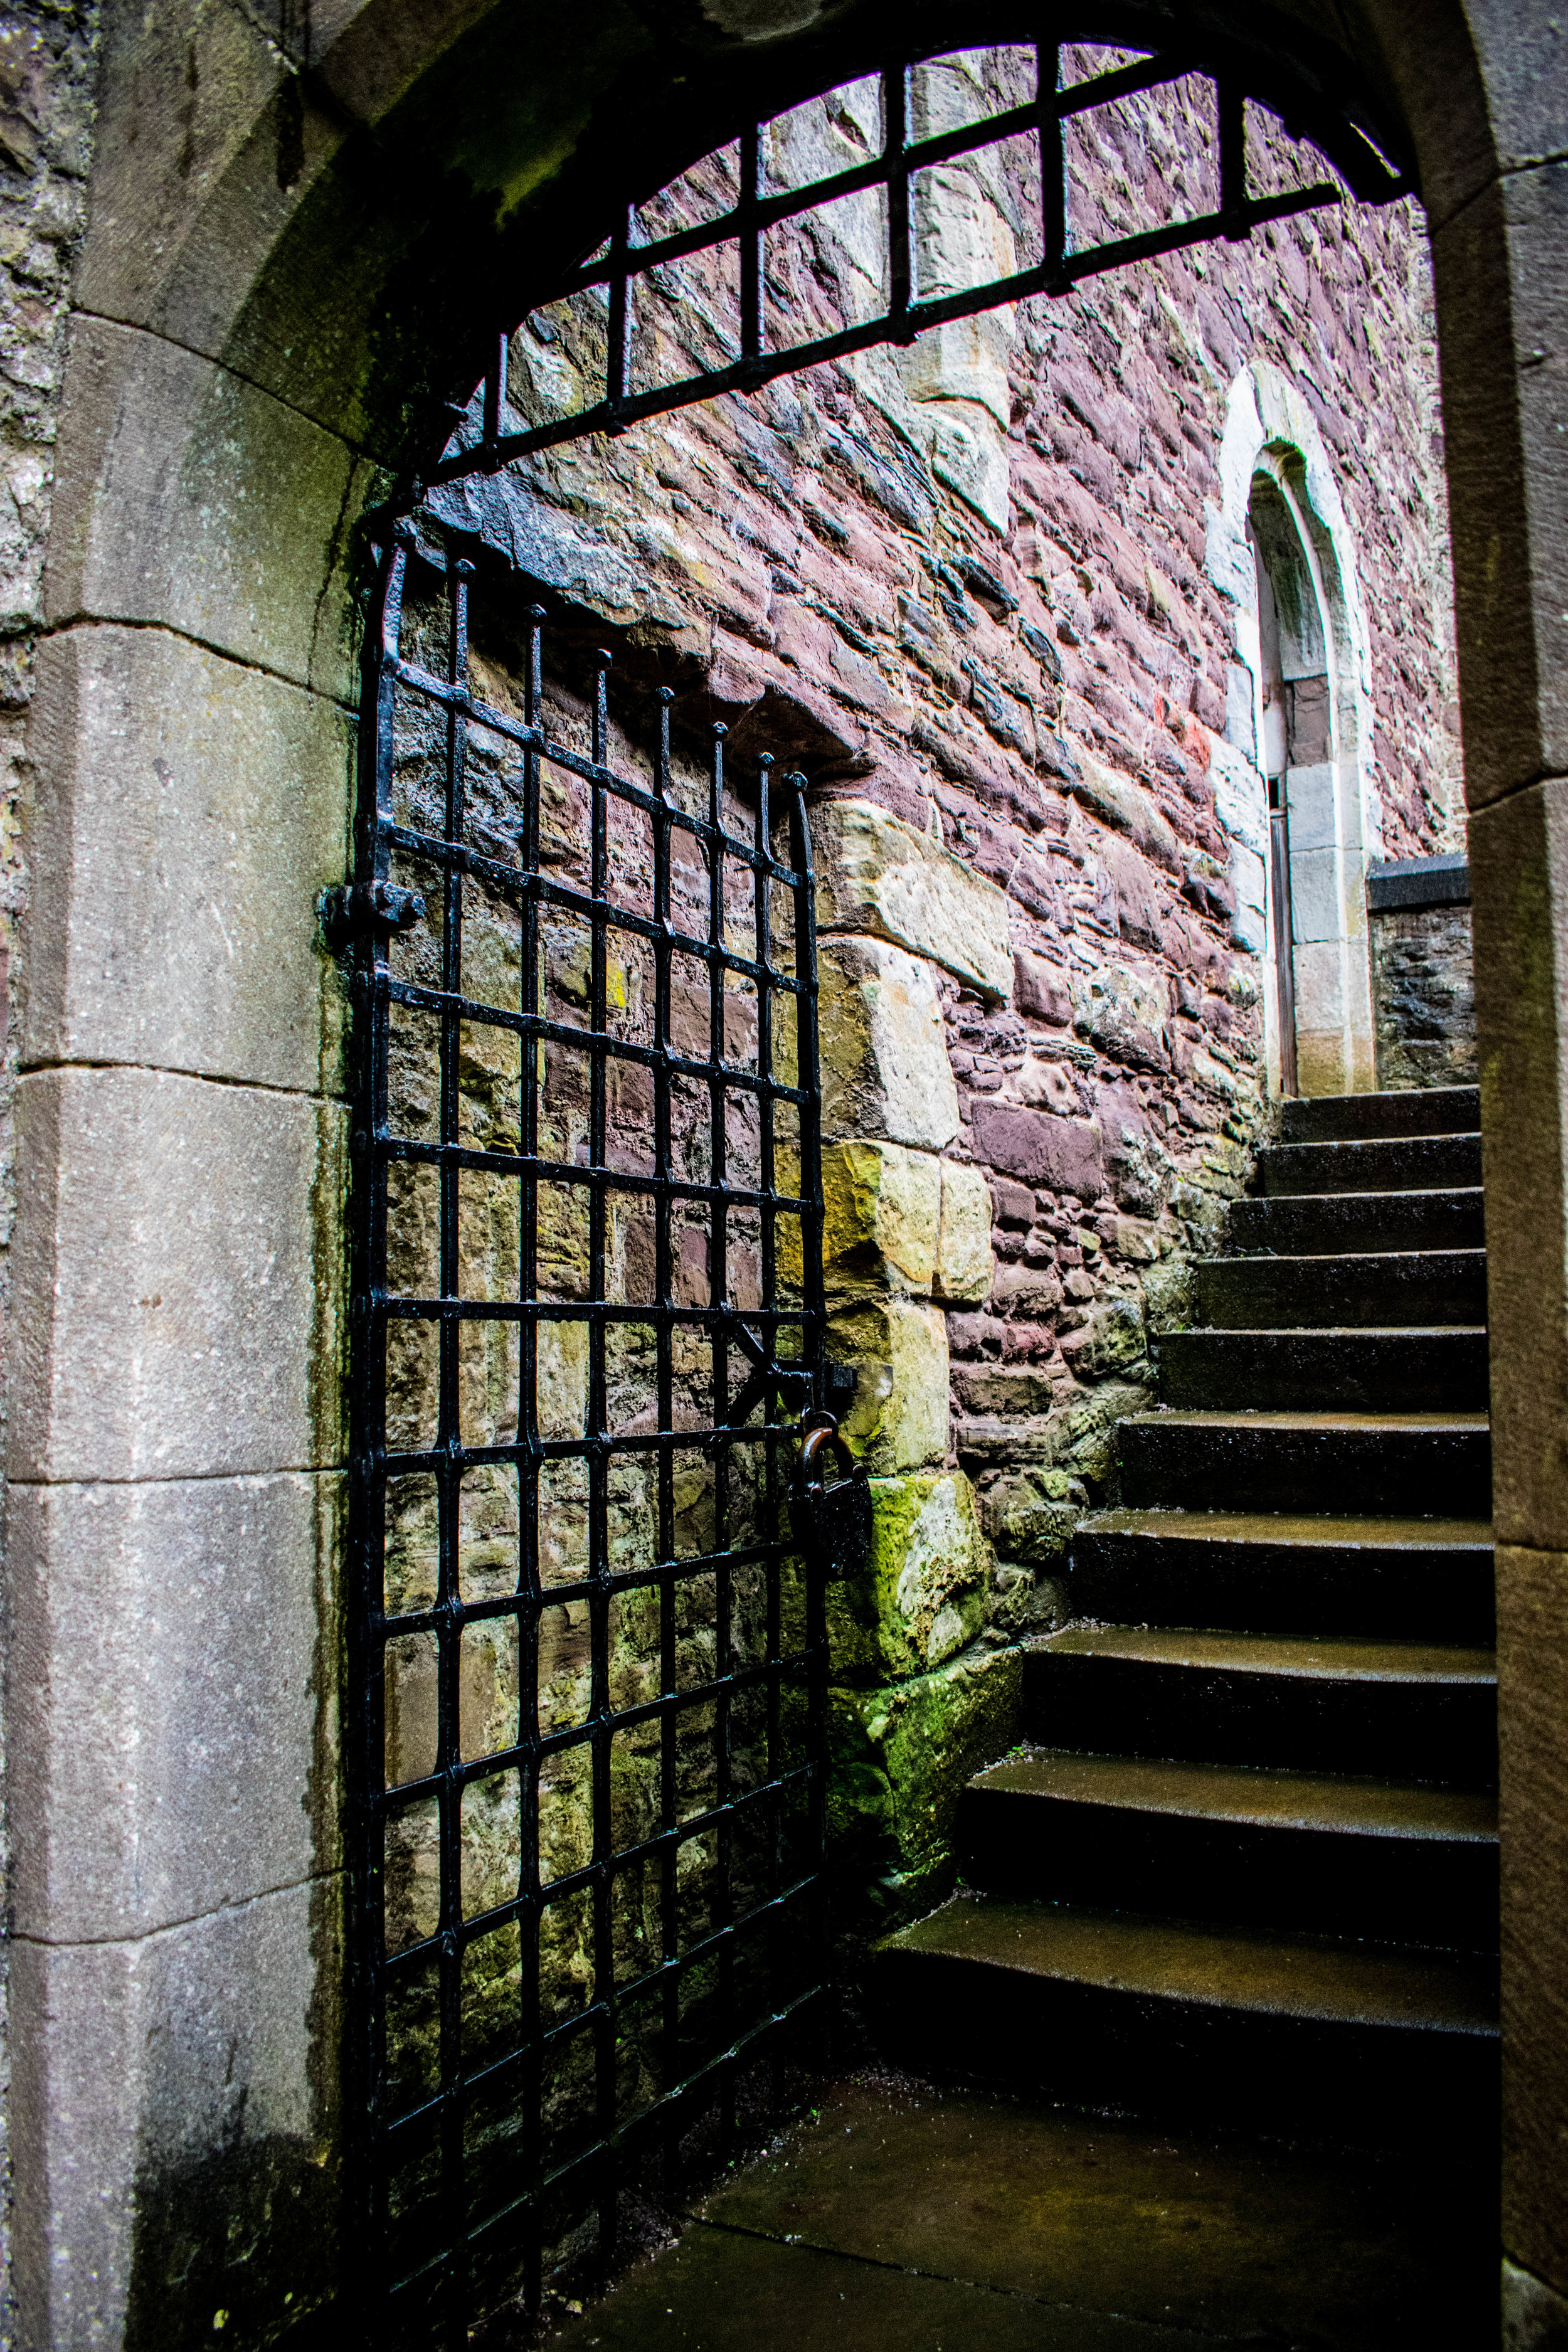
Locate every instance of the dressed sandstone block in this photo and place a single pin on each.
(901, 1758)
(885, 1071)
(882, 1212)
(899, 1350)
(877, 873)
(964, 1243)
(925, 1592)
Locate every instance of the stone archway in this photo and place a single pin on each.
(268, 297)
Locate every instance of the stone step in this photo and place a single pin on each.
(1410, 1465)
(1175, 2018)
(1388, 1287)
(1339, 1118)
(1415, 1164)
(1396, 1862)
(1408, 1710)
(1441, 1368)
(1330, 1224)
(1268, 1573)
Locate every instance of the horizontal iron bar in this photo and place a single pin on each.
(539, 1026)
(535, 738)
(450, 855)
(628, 2135)
(510, 1310)
(576, 1882)
(611, 1581)
(455, 1455)
(456, 1614)
(561, 1172)
(389, 1803)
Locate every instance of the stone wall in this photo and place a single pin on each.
(971, 589)
(48, 67)
(1424, 996)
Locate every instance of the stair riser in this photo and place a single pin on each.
(1334, 1223)
(1138, 1580)
(1226, 1372)
(1419, 1891)
(1107, 2048)
(1210, 1715)
(1434, 1474)
(1421, 1164)
(1340, 1118)
(1276, 1294)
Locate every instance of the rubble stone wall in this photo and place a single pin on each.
(1424, 987)
(988, 593)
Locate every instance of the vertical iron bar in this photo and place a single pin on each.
(1232, 102)
(495, 393)
(448, 1611)
(720, 1260)
(809, 1079)
(901, 254)
(1054, 226)
(598, 1505)
(664, 1289)
(364, 2089)
(617, 356)
(772, 1498)
(530, 1924)
(752, 243)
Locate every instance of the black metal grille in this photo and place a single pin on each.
(587, 1673)
(757, 346)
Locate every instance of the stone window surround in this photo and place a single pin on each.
(1269, 431)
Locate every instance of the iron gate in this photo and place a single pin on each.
(587, 1673)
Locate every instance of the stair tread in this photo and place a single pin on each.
(1326, 1657)
(1296, 1333)
(1367, 1200)
(1214, 1967)
(1293, 1527)
(1340, 1259)
(1288, 1417)
(1250, 1794)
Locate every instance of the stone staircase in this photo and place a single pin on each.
(1249, 1869)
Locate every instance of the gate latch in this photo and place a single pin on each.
(358, 910)
(836, 1512)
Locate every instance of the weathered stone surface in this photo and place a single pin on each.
(882, 1216)
(175, 2122)
(901, 1757)
(926, 1590)
(1534, 2315)
(176, 1270)
(963, 1244)
(874, 873)
(885, 1071)
(1424, 997)
(1117, 801)
(1063, 1153)
(175, 921)
(173, 1726)
(898, 1419)
(166, 509)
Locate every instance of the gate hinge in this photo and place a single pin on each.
(358, 910)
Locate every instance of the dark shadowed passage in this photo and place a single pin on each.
(901, 2216)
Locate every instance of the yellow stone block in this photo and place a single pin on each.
(899, 1416)
(882, 1208)
(963, 1238)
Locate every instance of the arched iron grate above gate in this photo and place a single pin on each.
(632, 262)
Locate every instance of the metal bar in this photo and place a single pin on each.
(1055, 229)
(751, 236)
(895, 168)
